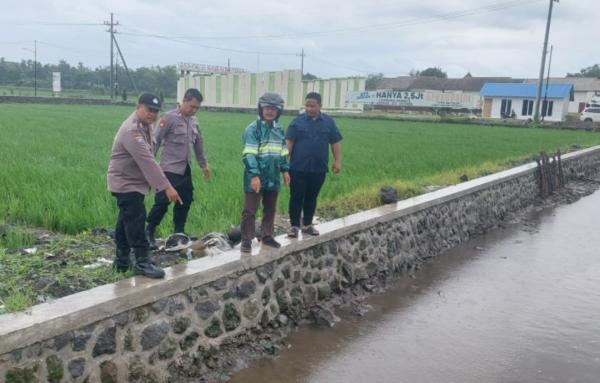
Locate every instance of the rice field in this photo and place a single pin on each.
(53, 162)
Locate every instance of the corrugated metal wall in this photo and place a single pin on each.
(242, 90)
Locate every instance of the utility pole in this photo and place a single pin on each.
(116, 83)
(536, 116)
(125, 65)
(302, 64)
(547, 81)
(35, 68)
(111, 24)
(34, 51)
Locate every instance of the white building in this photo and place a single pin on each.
(242, 90)
(584, 89)
(466, 89)
(517, 100)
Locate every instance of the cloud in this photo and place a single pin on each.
(494, 37)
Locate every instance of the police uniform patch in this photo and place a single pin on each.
(162, 123)
(140, 140)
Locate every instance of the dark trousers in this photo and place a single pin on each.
(183, 185)
(129, 230)
(251, 202)
(304, 189)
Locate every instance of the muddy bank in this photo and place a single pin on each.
(54, 265)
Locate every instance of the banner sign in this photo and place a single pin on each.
(56, 86)
(423, 99)
(203, 68)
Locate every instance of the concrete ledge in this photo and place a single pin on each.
(54, 318)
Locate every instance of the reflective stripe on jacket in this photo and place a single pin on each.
(264, 155)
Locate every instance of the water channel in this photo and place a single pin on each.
(519, 304)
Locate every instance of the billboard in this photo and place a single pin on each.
(203, 68)
(56, 85)
(423, 99)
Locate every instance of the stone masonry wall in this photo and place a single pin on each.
(175, 337)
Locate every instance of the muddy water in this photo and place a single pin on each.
(521, 304)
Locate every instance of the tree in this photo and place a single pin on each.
(81, 77)
(309, 76)
(591, 71)
(429, 72)
(372, 80)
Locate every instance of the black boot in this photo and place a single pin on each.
(150, 237)
(122, 262)
(144, 267)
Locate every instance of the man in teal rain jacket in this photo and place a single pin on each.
(265, 157)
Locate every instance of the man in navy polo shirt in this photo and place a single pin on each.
(308, 138)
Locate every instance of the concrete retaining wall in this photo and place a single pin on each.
(144, 330)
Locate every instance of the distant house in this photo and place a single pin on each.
(466, 88)
(467, 84)
(517, 100)
(584, 89)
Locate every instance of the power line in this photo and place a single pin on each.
(48, 24)
(182, 41)
(493, 7)
(338, 65)
(15, 42)
(69, 24)
(67, 48)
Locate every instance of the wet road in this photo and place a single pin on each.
(520, 304)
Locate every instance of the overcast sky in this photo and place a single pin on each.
(339, 37)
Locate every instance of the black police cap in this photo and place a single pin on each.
(150, 100)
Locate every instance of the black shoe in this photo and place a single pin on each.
(246, 246)
(144, 267)
(151, 239)
(270, 241)
(310, 230)
(122, 262)
(293, 232)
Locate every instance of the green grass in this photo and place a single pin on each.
(14, 236)
(60, 265)
(54, 158)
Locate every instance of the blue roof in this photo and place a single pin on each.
(491, 89)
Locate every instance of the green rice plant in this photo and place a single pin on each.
(17, 300)
(54, 159)
(14, 237)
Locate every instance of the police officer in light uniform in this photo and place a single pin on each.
(181, 139)
(132, 173)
